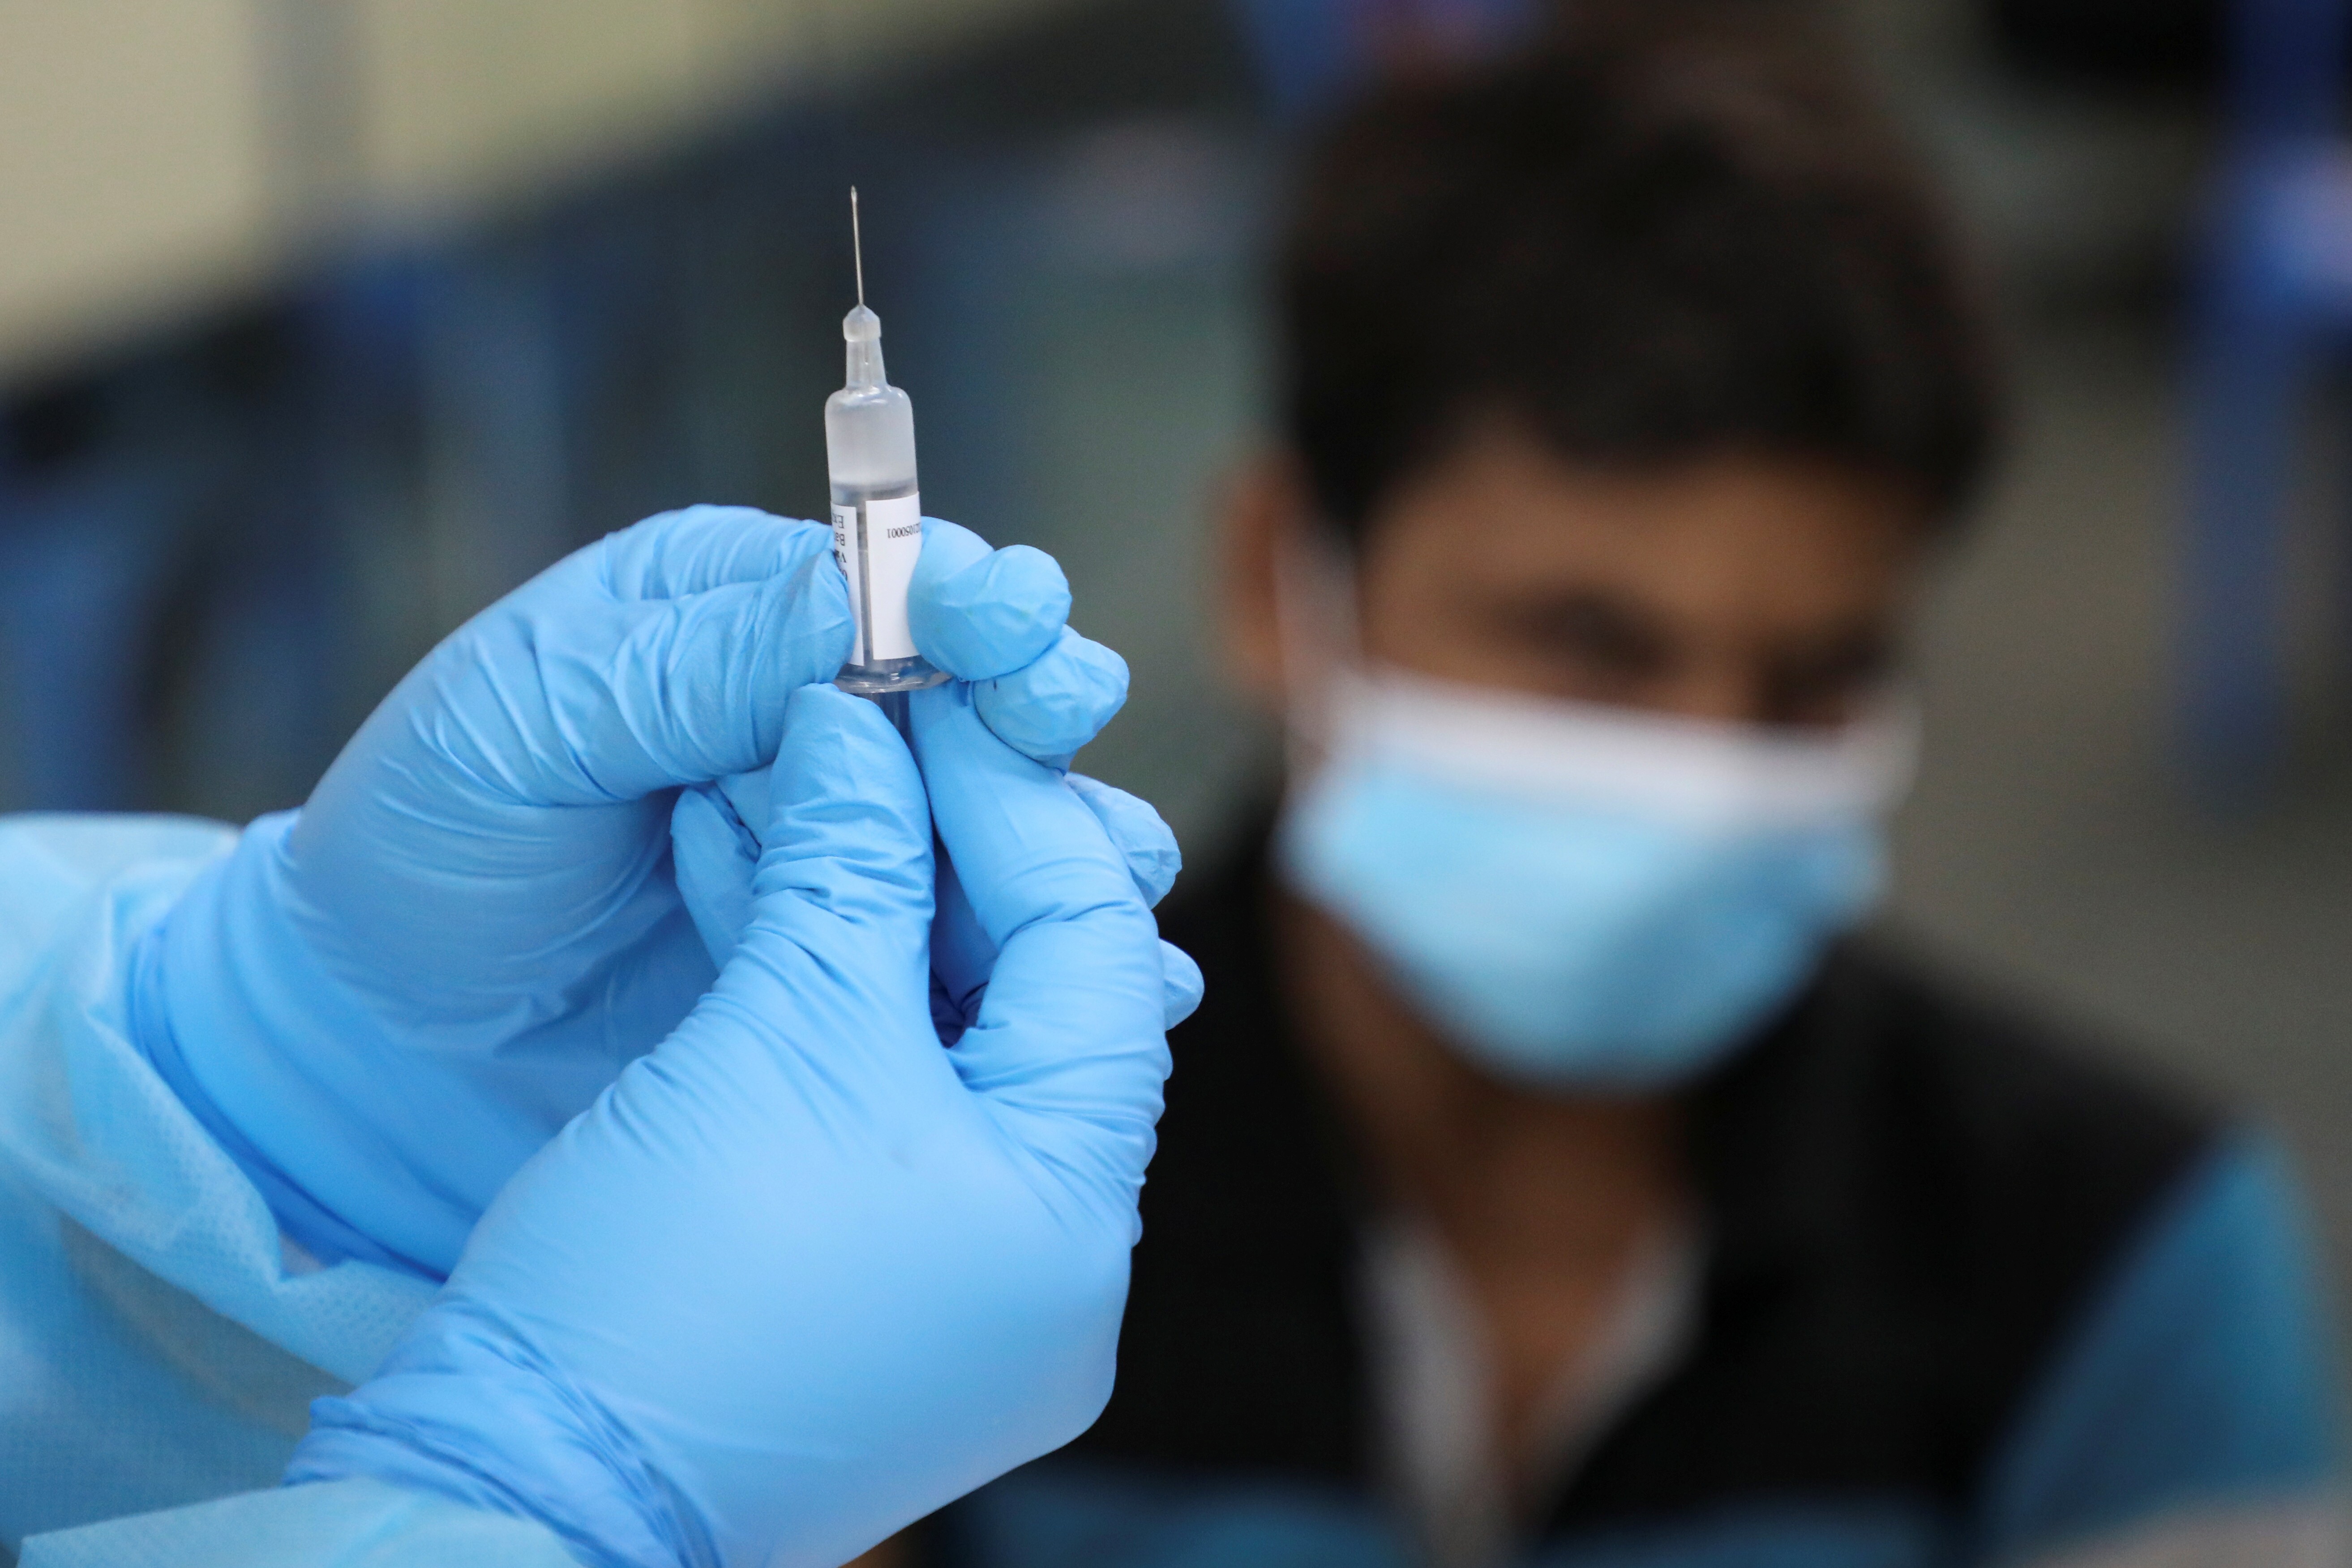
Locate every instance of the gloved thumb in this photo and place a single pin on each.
(841, 903)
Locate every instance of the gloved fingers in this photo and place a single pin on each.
(714, 856)
(751, 793)
(1069, 1027)
(1026, 849)
(715, 851)
(679, 692)
(704, 547)
(841, 903)
(997, 617)
(962, 956)
(1147, 841)
(1051, 708)
(978, 613)
(1182, 984)
(951, 1015)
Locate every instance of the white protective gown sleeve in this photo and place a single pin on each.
(159, 1347)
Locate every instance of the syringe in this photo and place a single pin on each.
(877, 514)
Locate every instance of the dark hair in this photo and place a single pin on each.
(1647, 245)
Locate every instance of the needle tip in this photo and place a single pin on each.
(856, 245)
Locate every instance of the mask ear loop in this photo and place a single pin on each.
(1316, 639)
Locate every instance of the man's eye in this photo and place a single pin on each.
(1599, 638)
(1832, 688)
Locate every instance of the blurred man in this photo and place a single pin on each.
(1551, 1175)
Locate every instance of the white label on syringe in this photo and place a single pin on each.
(894, 539)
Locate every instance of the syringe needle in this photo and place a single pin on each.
(856, 245)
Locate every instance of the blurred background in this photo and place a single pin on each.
(323, 322)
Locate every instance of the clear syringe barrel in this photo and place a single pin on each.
(877, 515)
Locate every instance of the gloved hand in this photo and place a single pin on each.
(382, 1005)
(718, 859)
(800, 1276)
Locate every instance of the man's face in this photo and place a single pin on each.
(1751, 589)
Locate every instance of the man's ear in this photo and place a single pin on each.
(1265, 508)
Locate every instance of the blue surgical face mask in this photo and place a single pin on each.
(1582, 898)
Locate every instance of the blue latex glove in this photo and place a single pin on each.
(383, 1004)
(800, 1276)
(717, 858)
